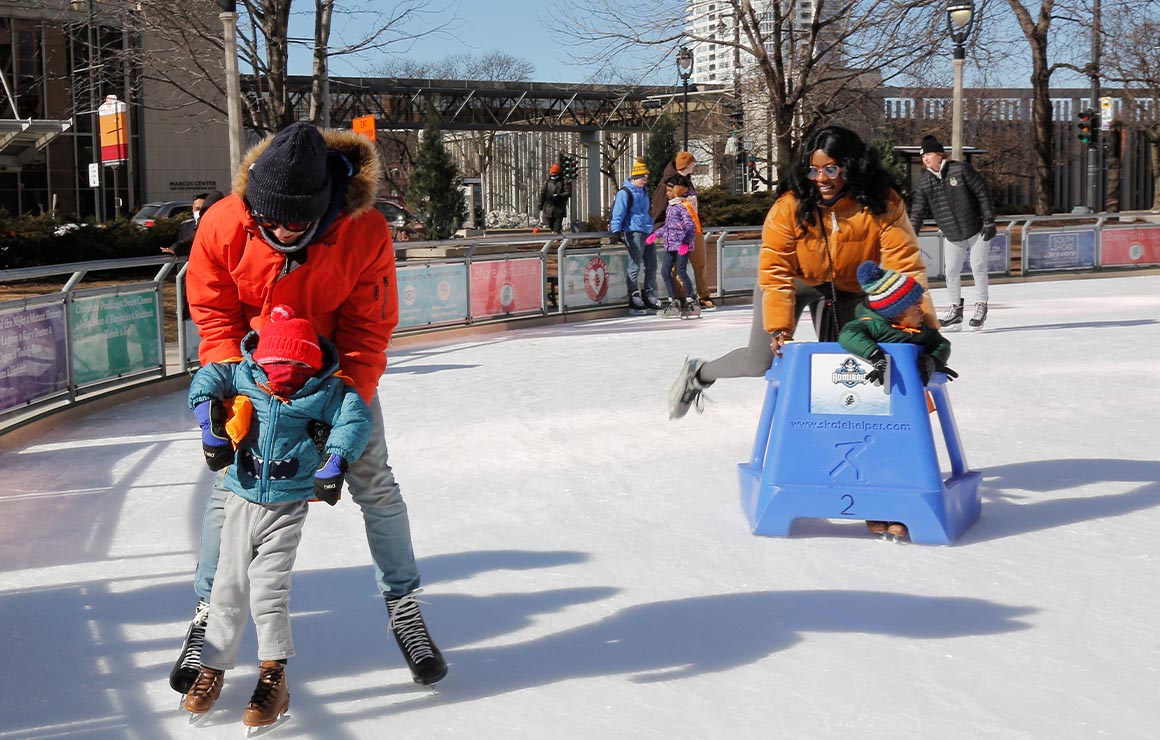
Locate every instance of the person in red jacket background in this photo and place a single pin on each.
(300, 229)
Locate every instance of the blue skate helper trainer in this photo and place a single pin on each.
(830, 445)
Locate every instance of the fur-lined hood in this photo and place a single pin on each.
(364, 184)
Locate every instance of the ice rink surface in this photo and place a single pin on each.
(589, 573)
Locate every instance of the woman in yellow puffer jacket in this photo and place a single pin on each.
(837, 208)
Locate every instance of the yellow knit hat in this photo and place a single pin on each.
(639, 168)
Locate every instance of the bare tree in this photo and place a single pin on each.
(185, 53)
(1131, 33)
(812, 68)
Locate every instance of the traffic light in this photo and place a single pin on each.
(737, 119)
(569, 165)
(1086, 122)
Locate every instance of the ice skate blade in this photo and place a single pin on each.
(197, 720)
(261, 730)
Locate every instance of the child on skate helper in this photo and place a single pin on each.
(678, 233)
(893, 312)
(836, 208)
(631, 223)
(286, 393)
(301, 229)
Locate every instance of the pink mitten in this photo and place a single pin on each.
(684, 249)
(651, 238)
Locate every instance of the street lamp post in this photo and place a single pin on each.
(229, 19)
(91, 63)
(960, 21)
(685, 70)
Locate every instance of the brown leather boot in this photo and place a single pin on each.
(207, 687)
(876, 527)
(898, 529)
(271, 697)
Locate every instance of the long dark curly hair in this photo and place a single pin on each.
(867, 181)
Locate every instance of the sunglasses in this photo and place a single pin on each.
(830, 171)
(271, 225)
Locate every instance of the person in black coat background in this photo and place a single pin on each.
(554, 199)
(959, 200)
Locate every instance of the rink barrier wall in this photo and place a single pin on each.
(68, 347)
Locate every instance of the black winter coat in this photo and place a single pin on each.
(554, 198)
(960, 202)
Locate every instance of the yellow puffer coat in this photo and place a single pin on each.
(853, 235)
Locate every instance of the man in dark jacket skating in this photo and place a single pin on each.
(959, 200)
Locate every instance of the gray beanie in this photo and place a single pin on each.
(289, 181)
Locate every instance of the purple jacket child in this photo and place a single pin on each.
(679, 229)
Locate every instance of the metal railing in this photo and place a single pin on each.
(61, 347)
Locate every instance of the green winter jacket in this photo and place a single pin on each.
(869, 329)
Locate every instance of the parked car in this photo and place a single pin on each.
(151, 212)
(405, 224)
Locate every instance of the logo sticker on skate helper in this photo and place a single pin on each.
(507, 295)
(596, 278)
(850, 374)
(838, 386)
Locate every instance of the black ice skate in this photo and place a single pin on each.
(672, 309)
(690, 309)
(636, 305)
(188, 663)
(953, 316)
(423, 658)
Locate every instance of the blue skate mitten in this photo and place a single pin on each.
(215, 442)
(329, 477)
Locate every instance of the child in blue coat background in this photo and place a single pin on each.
(294, 426)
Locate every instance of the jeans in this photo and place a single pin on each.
(372, 486)
(954, 266)
(638, 251)
(675, 267)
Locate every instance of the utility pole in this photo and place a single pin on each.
(229, 19)
(1094, 149)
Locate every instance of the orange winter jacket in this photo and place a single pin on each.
(854, 234)
(346, 286)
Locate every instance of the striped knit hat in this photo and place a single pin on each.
(888, 293)
(639, 168)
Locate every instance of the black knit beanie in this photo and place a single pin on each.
(289, 182)
(931, 144)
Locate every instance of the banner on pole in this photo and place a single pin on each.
(364, 125)
(114, 134)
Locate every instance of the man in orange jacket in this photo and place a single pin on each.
(301, 229)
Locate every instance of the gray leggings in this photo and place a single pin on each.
(752, 360)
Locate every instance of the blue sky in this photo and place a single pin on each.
(517, 27)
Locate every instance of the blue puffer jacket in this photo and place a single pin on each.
(276, 460)
(636, 219)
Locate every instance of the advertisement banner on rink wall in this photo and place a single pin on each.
(32, 355)
(114, 335)
(500, 287)
(739, 268)
(595, 279)
(1130, 247)
(432, 294)
(1059, 250)
(996, 257)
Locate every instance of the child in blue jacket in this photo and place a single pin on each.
(294, 426)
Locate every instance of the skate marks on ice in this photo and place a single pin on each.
(103, 647)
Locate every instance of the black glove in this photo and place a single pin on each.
(616, 238)
(928, 365)
(215, 442)
(877, 375)
(329, 477)
(988, 232)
